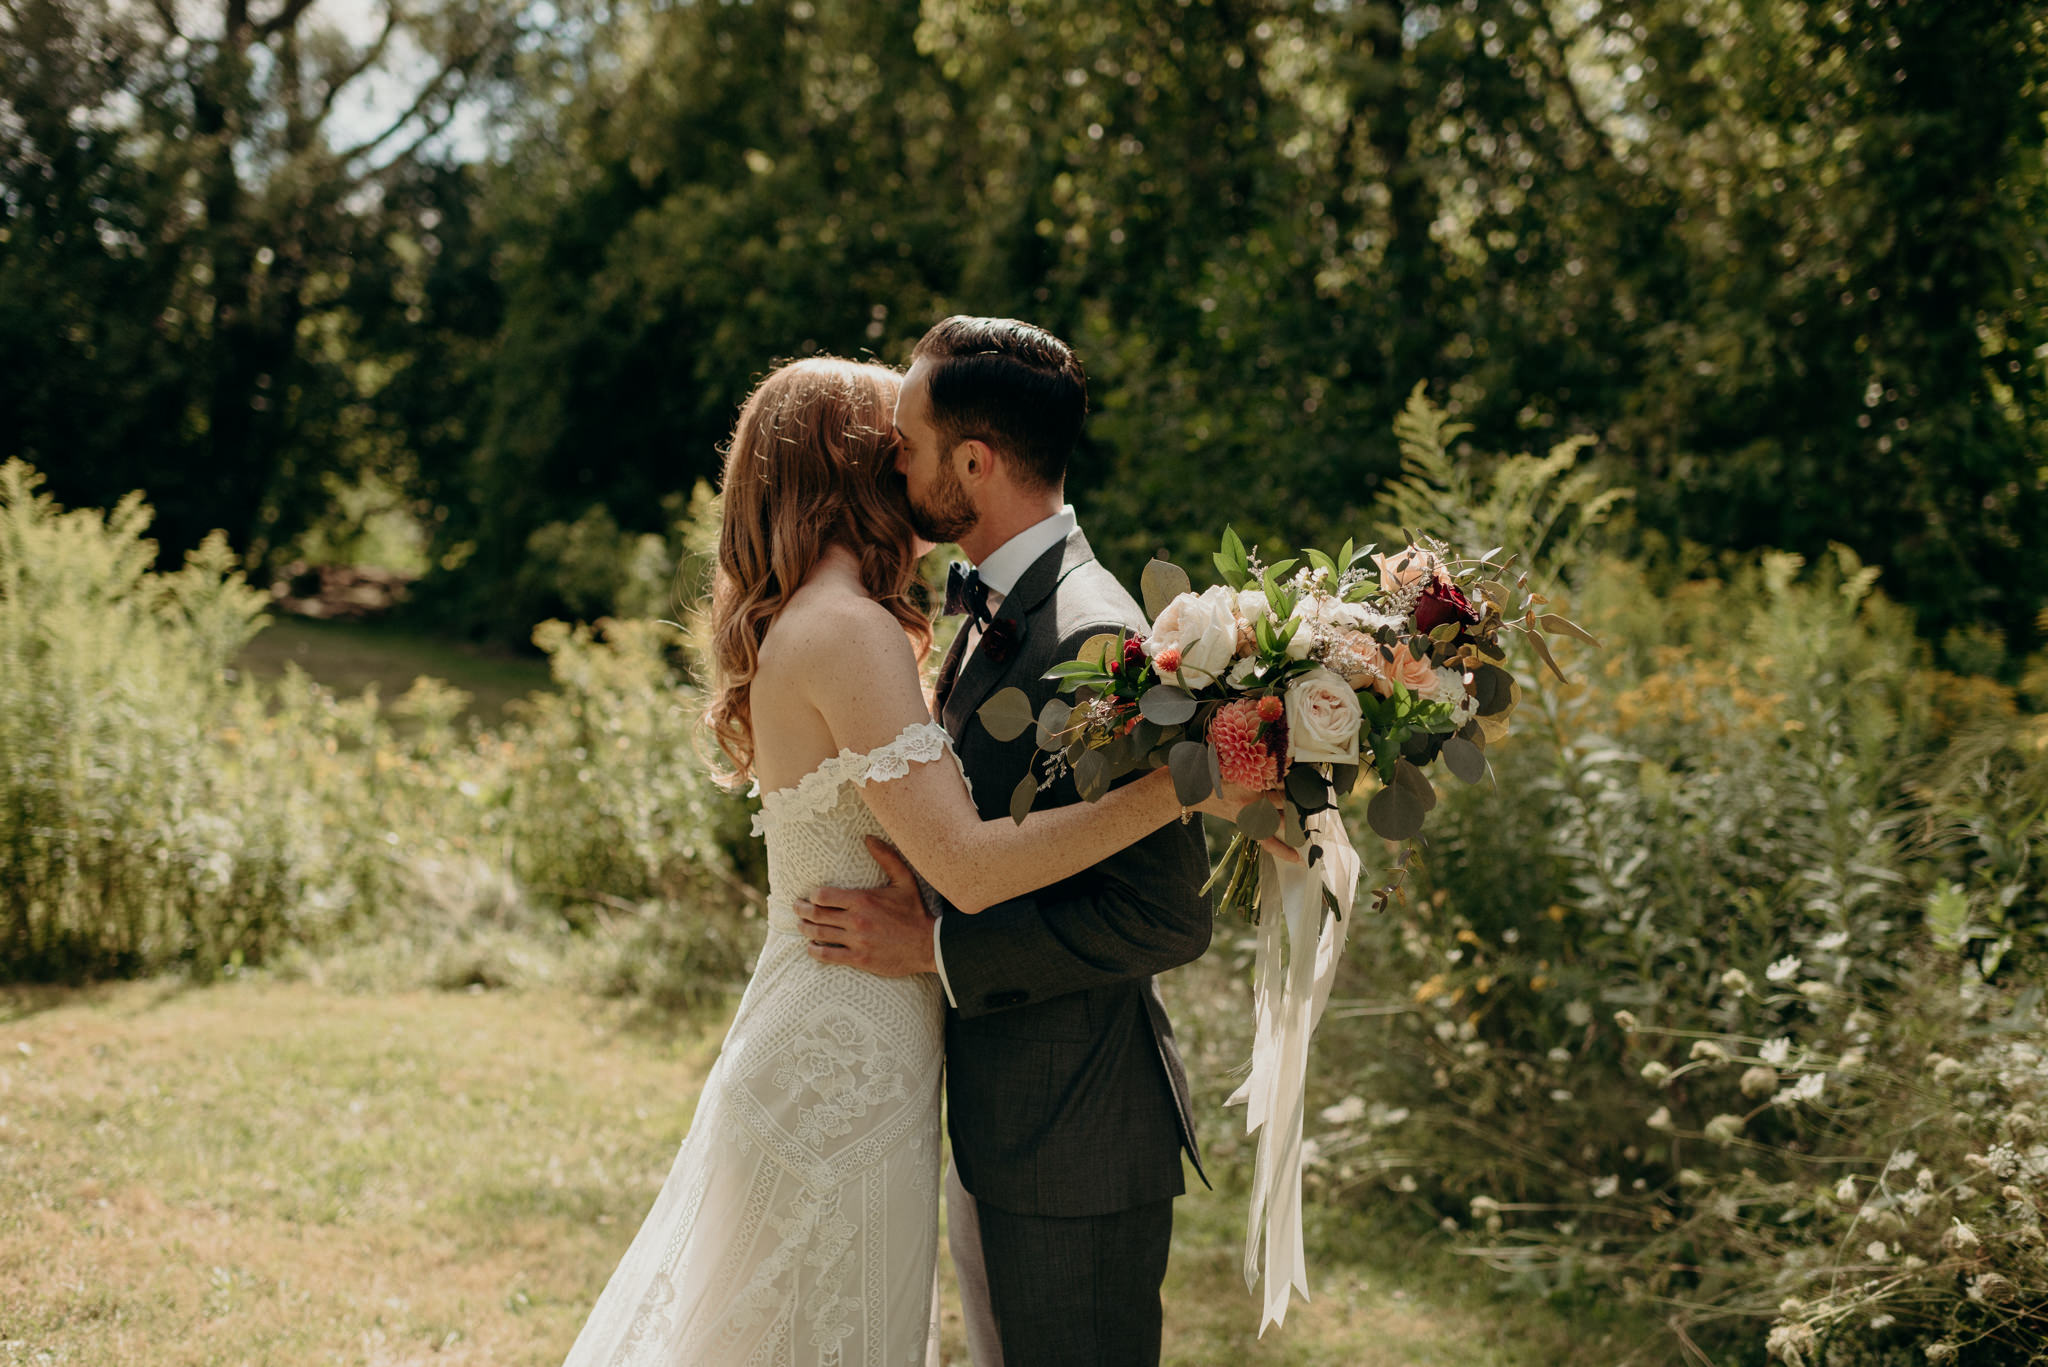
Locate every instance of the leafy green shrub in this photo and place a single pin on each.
(155, 814)
(1718, 1000)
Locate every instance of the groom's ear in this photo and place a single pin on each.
(975, 461)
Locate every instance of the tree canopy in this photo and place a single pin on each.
(1781, 259)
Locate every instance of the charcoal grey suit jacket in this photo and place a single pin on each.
(1065, 1093)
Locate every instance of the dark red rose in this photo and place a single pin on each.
(998, 640)
(1134, 650)
(1441, 603)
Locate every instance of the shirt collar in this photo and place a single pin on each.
(1006, 563)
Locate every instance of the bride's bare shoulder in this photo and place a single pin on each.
(828, 620)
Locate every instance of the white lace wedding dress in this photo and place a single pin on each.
(799, 1224)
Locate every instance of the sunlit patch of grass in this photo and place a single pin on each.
(351, 656)
(280, 1174)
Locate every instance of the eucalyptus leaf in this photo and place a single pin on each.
(1052, 719)
(1021, 798)
(1415, 783)
(1162, 582)
(1105, 648)
(1092, 775)
(1259, 819)
(1308, 788)
(1166, 705)
(1395, 814)
(1551, 622)
(1194, 771)
(1007, 715)
(1292, 831)
(1492, 687)
(1543, 653)
(1344, 778)
(1464, 759)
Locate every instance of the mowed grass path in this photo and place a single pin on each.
(280, 1174)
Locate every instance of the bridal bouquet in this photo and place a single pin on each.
(1297, 680)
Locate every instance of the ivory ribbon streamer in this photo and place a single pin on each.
(1290, 987)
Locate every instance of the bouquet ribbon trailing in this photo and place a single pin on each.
(1290, 987)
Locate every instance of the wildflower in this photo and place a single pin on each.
(1941, 1350)
(1777, 1052)
(1992, 1288)
(1168, 660)
(1845, 1190)
(1815, 990)
(1959, 1238)
(1559, 1056)
(1578, 1013)
(1483, 1206)
(1654, 1072)
(1660, 1119)
(1759, 1081)
(1808, 1088)
(1901, 1160)
(1691, 1177)
(1791, 1343)
(1883, 1321)
(1606, 1187)
(1709, 1050)
(1876, 1251)
(1735, 980)
(1854, 1058)
(1832, 941)
(1626, 1020)
(1345, 1111)
(1272, 707)
(1724, 1129)
(1784, 970)
(1949, 1069)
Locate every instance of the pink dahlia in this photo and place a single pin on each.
(1250, 760)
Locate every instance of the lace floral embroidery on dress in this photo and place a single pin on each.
(918, 743)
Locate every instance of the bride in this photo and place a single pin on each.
(799, 1222)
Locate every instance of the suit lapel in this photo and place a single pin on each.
(978, 678)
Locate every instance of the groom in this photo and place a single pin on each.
(1067, 1102)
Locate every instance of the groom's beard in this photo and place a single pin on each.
(948, 514)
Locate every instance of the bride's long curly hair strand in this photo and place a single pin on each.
(812, 464)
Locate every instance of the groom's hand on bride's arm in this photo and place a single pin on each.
(885, 931)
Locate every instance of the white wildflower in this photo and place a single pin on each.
(1901, 1160)
(1791, 1344)
(1660, 1119)
(1578, 1013)
(1845, 1190)
(1883, 1321)
(1606, 1187)
(1959, 1238)
(1941, 1350)
(1759, 1081)
(1559, 1056)
(1808, 1088)
(1735, 980)
(1784, 970)
(1777, 1052)
(1990, 1286)
(1724, 1129)
(1483, 1206)
(1876, 1251)
(1654, 1072)
(1832, 941)
(1351, 1108)
(1626, 1020)
(1710, 1050)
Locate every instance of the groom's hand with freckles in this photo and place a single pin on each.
(885, 931)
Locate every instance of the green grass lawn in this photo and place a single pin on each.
(350, 656)
(282, 1174)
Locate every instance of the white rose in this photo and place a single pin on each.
(1203, 629)
(1252, 605)
(1322, 719)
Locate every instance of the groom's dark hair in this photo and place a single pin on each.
(1012, 385)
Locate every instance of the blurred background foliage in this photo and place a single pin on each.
(1782, 259)
(1754, 1037)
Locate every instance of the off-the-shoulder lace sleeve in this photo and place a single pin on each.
(918, 743)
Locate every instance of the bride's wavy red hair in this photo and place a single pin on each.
(812, 464)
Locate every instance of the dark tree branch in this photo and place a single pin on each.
(371, 56)
(285, 18)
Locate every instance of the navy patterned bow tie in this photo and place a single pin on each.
(966, 593)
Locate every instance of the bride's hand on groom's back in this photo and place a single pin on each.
(885, 931)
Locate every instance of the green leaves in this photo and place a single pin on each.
(1166, 705)
(1196, 771)
(1162, 582)
(1007, 715)
(1233, 564)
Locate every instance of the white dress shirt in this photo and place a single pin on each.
(999, 575)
